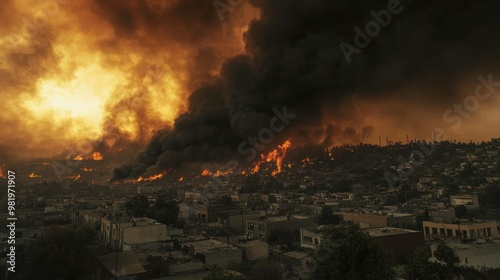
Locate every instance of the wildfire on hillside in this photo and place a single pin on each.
(93, 156)
(147, 179)
(33, 175)
(276, 156)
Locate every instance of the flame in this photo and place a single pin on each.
(75, 177)
(33, 175)
(147, 179)
(78, 157)
(1, 173)
(93, 156)
(86, 169)
(217, 173)
(96, 156)
(181, 179)
(91, 72)
(206, 172)
(275, 156)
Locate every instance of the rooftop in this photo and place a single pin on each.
(387, 231)
(210, 245)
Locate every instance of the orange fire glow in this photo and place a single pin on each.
(86, 169)
(33, 175)
(147, 179)
(275, 156)
(217, 173)
(1, 173)
(181, 179)
(96, 156)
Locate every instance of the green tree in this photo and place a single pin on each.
(164, 210)
(225, 200)
(421, 218)
(490, 197)
(460, 211)
(217, 273)
(327, 217)
(61, 253)
(419, 266)
(137, 206)
(347, 253)
(448, 267)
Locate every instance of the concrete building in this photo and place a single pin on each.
(470, 201)
(210, 213)
(464, 230)
(310, 237)
(149, 189)
(212, 252)
(254, 250)
(400, 243)
(132, 231)
(236, 221)
(274, 228)
(398, 220)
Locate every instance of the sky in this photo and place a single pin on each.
(186, 81)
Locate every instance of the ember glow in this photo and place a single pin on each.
(33, 175)
(275, 156)
(147, 179)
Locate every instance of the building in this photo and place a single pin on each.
(212, 252)
(470, 229)
(235, 221)
(121, 265)
(398, 220)
(310, 237)
(254, 250)
(282, 228)
(210, 213)
(400, 243)
(470, 201)
(484, 255)
(132, 231)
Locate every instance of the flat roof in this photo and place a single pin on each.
(210, 245)
(387, 231)
(128, 263)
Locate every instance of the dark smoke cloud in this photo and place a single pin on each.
(293, 58)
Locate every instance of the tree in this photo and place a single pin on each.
(217, 273)
(137, 206)
(327, 216)
(419, 266)
(421, 218)
(460, 211)
(164, 210)
(347, 253)
(225, 200)
(448, 267)
(491, 196)
(268, 270)
(61, 253)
